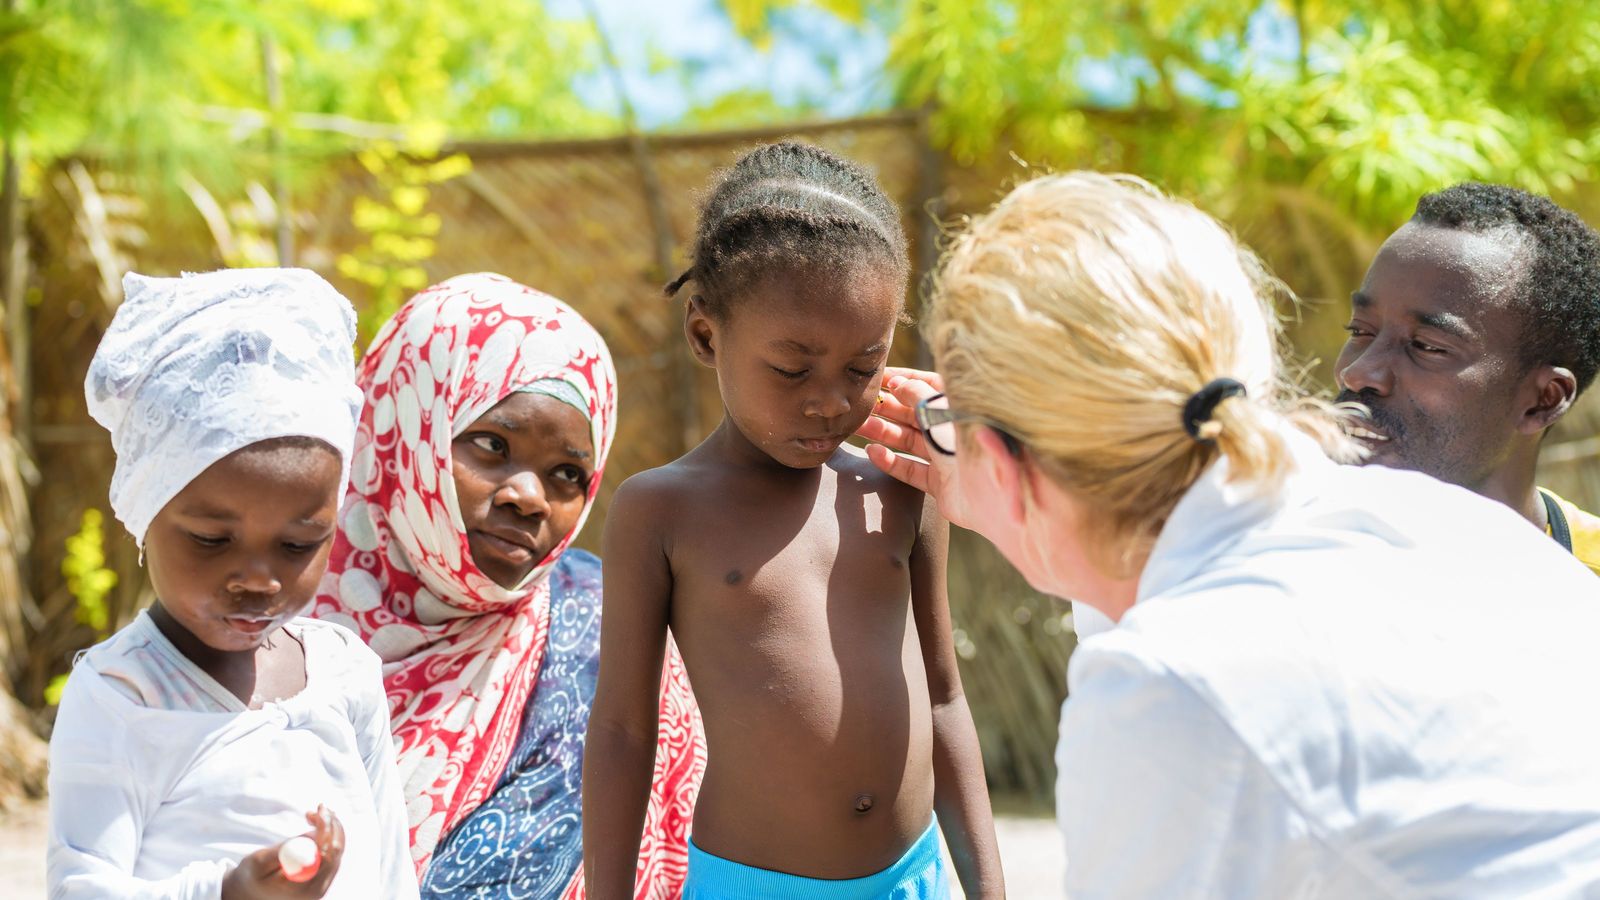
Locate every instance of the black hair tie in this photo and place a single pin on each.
(1202, 403)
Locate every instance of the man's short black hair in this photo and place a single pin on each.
(1560, 293)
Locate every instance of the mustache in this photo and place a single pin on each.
(1375, 411)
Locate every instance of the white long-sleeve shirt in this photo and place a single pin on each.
(161, 779)
(1372, 684)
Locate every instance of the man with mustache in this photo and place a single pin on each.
(1477, 326)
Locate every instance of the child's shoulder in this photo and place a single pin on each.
(852, 462)
(340, 666)
(119, 663)
(88, 687)
(129, 637)
(102, 696)
(342, 657)
(663, 487)
(331, 639)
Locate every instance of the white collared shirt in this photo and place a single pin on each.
(1319, 694)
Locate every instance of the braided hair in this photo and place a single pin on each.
(790, 207)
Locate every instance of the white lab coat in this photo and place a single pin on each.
(1370, 684)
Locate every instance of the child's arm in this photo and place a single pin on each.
(98, 807)
(960, 796)
(397, 874)
(619, 750)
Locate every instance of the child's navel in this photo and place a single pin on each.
(734, 576)
(864, 803)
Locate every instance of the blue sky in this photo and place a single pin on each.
(814, 61)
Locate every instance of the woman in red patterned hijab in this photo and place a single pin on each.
(489, 411)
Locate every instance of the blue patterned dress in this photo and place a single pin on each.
(526, 840)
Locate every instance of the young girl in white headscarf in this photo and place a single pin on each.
(218, 725)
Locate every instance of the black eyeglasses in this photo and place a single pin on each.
(937, 421)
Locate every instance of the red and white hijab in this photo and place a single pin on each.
(461, 654)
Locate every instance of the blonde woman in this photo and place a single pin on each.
(1323, 680)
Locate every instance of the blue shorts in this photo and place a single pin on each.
(918, 875)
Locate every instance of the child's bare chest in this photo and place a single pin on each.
(756, 557)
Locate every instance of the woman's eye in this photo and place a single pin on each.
(489, 443)
(792, 375)
(573, 475)
(1426, 348)
(206, 540)
(863, 374)
(1356, 330)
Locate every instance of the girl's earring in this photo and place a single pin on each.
(141, 557)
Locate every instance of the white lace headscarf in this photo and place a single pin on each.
(194, 368)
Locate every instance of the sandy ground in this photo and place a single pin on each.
(22, 839)
(1029, 849)
(1031, 854)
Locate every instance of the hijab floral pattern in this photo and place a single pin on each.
(461, 654)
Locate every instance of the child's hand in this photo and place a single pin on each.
(259, 876)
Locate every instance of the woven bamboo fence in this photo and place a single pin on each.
(580, 220)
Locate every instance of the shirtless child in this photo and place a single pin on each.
(805, 588)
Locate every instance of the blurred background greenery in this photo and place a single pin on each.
(389, 144)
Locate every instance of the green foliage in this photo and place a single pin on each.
(84, 568)
(740, 108)
(90, 582)
(38, 63)
(400, 231)
(493, 67)
(1384, 103)
(161, 85)
(752, 18)
(1366, 104)
(52, 691)
(122, 77)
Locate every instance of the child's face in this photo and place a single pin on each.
(239, 551)
(799, 364)
(522, 473)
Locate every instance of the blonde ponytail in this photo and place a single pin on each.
(1084, 312)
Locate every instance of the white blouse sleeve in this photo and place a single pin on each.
(1156, 796)
(370, 718)
(99, 801)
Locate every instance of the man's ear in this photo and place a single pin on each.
(1555, 389)
(701, 329)
(1008, 471)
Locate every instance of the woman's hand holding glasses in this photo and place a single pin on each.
(901, 447)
